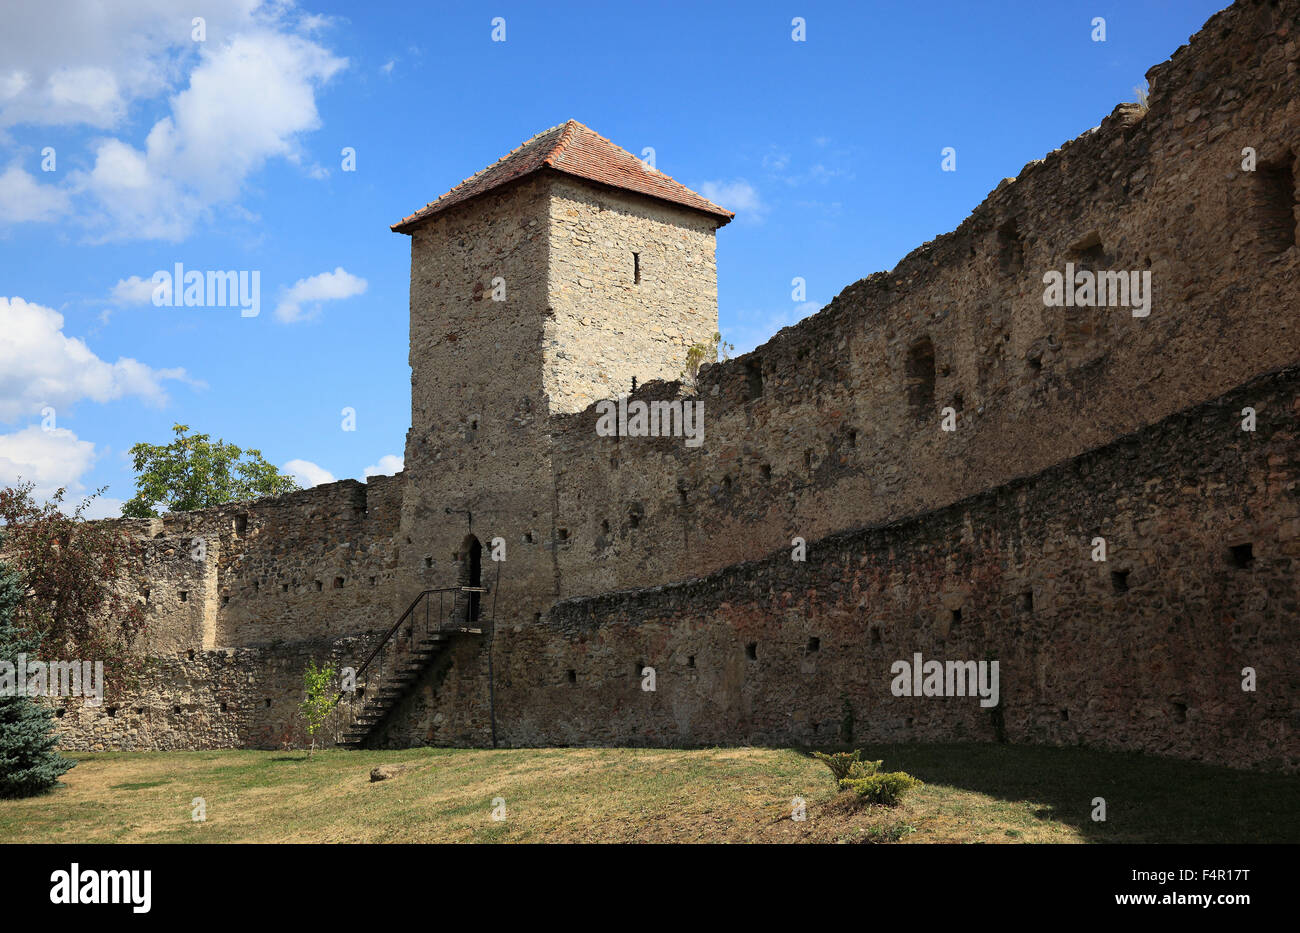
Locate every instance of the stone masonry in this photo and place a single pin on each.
(549, 281)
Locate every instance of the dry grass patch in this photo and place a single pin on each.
(972, 793)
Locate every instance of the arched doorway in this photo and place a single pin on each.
(471, 574)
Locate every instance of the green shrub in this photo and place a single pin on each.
(882, 787)
(848, 765)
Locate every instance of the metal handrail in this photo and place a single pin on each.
(388, 637)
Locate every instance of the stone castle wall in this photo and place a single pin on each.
(833, 424)
(1143, 651)
(836, 420)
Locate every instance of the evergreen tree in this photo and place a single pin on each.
(28, 762)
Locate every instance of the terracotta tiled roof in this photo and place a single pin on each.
(575, 150)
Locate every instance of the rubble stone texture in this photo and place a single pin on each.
(624, 552)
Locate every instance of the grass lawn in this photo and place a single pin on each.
(973, 793)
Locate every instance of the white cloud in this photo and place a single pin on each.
(307, 473)
(24, 199)
(251, 93)
(50, 459)
(40, 366)
(99, 507)
(328, 286)
(738, 195)
(132, 291)
(388, 465)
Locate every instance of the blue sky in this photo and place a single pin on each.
(226, 154)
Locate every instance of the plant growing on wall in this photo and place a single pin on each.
(28, 762)
(698, 354)
(319, 683)
(193, 472)
(81, 599)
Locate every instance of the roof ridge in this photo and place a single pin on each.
(563, 143)
(574, 149)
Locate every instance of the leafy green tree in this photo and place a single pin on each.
(192, 472)
(319, 683)
(28, 762)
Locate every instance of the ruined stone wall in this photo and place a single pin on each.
(224, 698)
(835, 421)
(1144, 651)
(316, 563)
(633, 283)
(833, 424)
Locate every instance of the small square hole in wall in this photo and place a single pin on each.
(139, 710)
(604, 526)
(765, 471)
(956, 616)
(573, 676)
(875, 634)
(1025, 601)
(374, 581)
(1179, 711)
(185, 596)
(1119, 580)
(1065, 715)
(814, 644)
(58, 713)
(537, 617)
(751, 651)
(529, 537)
(1241, 556)
(268, 703)
(176, 710)
(257, 586)
(112, 712)
(338, 583)
(223, 707)
(428, 561)
(241, 524)
(225, 599)
(319, 586)
(562, 534)
(853, 438)
(284, 587)
(690, 660)
(640, 666)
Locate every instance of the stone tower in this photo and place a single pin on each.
(563, 270)
(547, 281)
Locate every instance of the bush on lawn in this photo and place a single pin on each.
(886, 788)
(846, 765)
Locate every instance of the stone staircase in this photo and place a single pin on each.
(409, 649)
